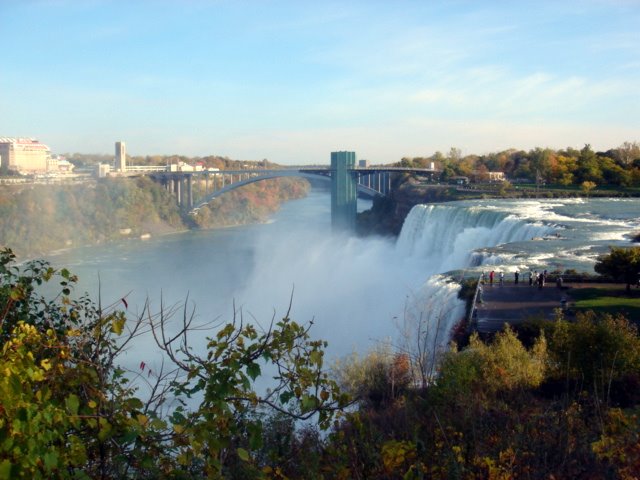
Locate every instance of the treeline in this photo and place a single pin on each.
(552, 399)
(618, 167)
(36, 219)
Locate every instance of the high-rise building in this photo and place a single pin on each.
(121, 157)
(24, 155)
(344, 195)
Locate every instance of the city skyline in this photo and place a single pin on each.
(293, 81)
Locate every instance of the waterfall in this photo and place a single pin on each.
(444, 238)
(447, 236)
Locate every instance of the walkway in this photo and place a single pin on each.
(514, 304)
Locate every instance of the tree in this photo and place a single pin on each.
(587, 186)
(377, 379)
(594, 353)
(621, 264)
(588, 166)
(564, 169)
(505, 186)
(68, 410)
(627, 152)
(224, 376)
(540, 162)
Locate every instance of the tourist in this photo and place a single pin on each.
(530, 277)
(501, 278)
(491, 273)
(516, 275)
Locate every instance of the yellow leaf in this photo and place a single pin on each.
(46, 364)
(178, 429)
(117, 325)
(92, 404)
(142, 419)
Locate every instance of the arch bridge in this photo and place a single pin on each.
(194, 190)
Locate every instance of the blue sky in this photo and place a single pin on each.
(293, 81)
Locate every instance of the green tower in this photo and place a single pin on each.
(343, 191)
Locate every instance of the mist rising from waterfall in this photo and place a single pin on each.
(359, 290)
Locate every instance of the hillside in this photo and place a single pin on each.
(36, 219)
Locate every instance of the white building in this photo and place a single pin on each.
(496, 176)
(103, 170)
(24, 155)
(185, 167)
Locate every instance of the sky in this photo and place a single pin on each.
(292, 81)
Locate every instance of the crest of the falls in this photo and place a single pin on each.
(447, 235)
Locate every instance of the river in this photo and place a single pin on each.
(359, 292)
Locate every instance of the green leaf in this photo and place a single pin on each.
(285, 397)
(134, 404)
(308, 403)
(253, 370)
(5, 470)
(104, 429)
(72, 402)
(243, 454)
(255, 436)
(129, 436)
(315, 357)
(50, 460)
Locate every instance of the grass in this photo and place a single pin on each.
(608, 300)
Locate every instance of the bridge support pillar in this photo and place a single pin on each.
(343, 191)
(190, 191)
(177, 189)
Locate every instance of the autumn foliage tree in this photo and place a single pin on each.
(69, 410)
(622, 264)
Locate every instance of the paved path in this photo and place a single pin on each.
(515, 304)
